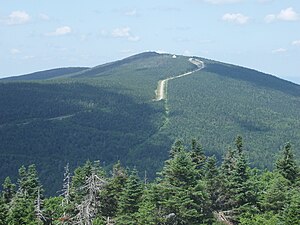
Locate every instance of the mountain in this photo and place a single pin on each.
(109, 113)
(47, 74)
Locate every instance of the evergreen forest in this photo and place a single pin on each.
(109, 113)
(191, 189)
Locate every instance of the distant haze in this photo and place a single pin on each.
(259, 34)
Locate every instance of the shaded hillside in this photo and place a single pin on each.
(53, 124)
(46, 74)
(255, 77)
(107, 113)
(222, 101)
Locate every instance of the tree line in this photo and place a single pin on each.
(191, 189)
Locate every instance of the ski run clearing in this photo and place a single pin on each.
(161, 91)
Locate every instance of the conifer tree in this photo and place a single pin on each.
(274, 198)
(183, 197)
(147, 213)
(89, 206)
(198, 157)
(8, 190)
(236, 195)
(53, 211)
(177, 147)
(212, 181)
(22, 206)
(22, 210)
(286, 164)
(291, 211)
(129, 200)
(110, 196)
(3, 212)
(239, 144)
(28, 182)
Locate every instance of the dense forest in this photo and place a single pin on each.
(191, 189)
(107, 112)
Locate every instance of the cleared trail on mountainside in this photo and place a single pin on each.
(161, 91)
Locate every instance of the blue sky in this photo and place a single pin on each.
(260, 34)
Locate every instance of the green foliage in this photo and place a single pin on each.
(291, 215)
(275, 196)
(216, 104)
(53, 209)
(3, 212)
(182, 196)
(228, 194)
(148, 213)
(106, 113)
(213, 181)
(8, 190)
(286, 164)
(129, 200)
(21, 211)
(259, 219)
(110, 196)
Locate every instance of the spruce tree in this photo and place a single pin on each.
(147, 213)
(286, 164)
(8, 190)
(110, 196)
(239, 144)
(291, 211)
(182, 195)
(53, 211)
(275, 195)
(129, 200)
(22, 210)
(3, 212)
(212, 182)
(22, 207)
(28, 182)
(198, 157)
(177, 147)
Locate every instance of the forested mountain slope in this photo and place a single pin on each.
(47, 74)
(225, 100)
(108, 113)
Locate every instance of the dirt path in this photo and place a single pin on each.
(161, 91)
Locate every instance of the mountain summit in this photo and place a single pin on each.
(110, 112)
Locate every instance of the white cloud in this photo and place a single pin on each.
(17, 17)
(222, 1)
(121, 32)
(131, 13)
(279, 50)
(60, 31)
(237, 18)
(270, 18)
(134, 38)
(124, 32)
(15, 51)
(297, 43)
(44, 16)
(287, 14)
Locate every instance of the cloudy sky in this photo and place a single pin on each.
(260, 34)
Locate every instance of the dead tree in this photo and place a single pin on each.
(38, 208)
(88, 208)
